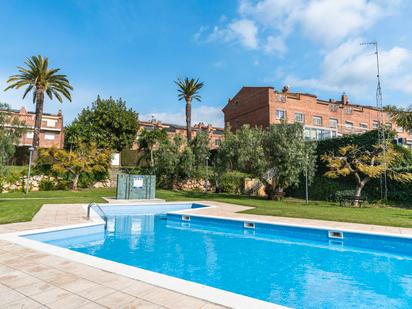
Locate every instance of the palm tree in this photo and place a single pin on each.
(40, 79)
(188, 89)
(402, 116)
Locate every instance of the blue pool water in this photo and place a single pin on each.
(295, 267)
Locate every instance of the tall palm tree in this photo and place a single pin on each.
(38, 78)
(188, 89)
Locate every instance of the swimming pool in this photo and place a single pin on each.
(291, 266)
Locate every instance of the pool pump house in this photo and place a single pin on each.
(135, 187)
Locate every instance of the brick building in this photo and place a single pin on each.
(263, 106)
(215, 134)
(51, 132)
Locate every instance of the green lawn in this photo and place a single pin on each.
(296, 208)
(16, 207)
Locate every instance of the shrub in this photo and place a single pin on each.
(232, 182)
(47, 185)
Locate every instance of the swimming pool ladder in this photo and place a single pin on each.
(88, 209)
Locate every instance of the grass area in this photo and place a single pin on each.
(295, 208)
(17, 207)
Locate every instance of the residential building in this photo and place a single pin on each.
(51, 132)
(215, 134)
(264, 106)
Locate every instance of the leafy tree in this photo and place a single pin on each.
(242, 151)
(148, 141)
(200, 149)
(277, 156)
(188, 89)
(365, 164)
(11, 129)
(288, 157)
(402, 116)
(86, 158)
(108, 123)
(39, 79)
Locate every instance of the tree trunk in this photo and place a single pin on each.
(189, 119)
(75, 181)
(38, 120)
(358, 191)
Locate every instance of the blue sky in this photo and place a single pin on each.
(135, 49)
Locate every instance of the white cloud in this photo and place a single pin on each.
(202, 113)
(244, 31)
(275, 45)
(352, 66)
(328, 22)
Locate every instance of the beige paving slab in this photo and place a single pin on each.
(70, 301)
(25, 303)
(115, 300)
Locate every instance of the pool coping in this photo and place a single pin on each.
(193, 289)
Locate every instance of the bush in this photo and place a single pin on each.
(232, 182)
(47, 185)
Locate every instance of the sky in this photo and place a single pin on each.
(136, 49)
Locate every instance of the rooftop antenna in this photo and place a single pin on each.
(381, 132)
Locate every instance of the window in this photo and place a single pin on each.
(363, 126)
(348, 110)
(49, 136)
(399, 129)
(51, 123)
(280, 114)
(217, 141)
(388, 125)
(333, 107)
(30, 135)
(317, 120)
(281, 98)
(299, 117)
(349, 125)
(375, 124)
(333, 123)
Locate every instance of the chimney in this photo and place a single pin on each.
(285, 89)
(345, 99)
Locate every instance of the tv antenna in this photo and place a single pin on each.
(381, 131)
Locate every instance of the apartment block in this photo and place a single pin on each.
(264, 106)
(215, 134)
(51, 132)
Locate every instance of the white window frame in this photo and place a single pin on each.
(348, 124)
(315, 123)
(51, 123)
(363, 126)
(300, 114)
(375, 124)
(333, 126)
(30, 135)
(284, 114)
(49, 136)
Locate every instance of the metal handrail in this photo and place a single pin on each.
(88, 209)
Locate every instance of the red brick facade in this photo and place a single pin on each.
(263, 106)
(51, 133)
(215, 134)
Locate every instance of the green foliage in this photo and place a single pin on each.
(129, 157)
(40, 80)
(11, 129)
(199, 146)
(47, 185)
(108, 123)
(401, 116)
(148, 141)
(72, 164)
(277, 156)
(232, 182)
